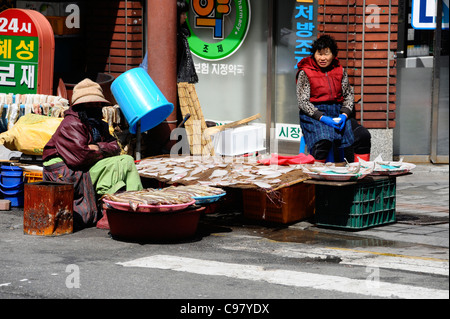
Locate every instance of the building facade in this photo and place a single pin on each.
(246, 51)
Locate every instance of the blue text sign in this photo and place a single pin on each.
(424, 14)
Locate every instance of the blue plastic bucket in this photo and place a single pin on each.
(12, 168)
(15, 197)
(140, 99)
(11, 187)
(11, 177)
(11, 184)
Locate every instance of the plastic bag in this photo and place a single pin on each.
(30, 134)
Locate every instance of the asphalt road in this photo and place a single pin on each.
(228, 259)
(240, 266)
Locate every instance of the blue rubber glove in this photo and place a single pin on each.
(329, 121)
(341, 123)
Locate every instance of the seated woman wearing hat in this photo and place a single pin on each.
(83, 152)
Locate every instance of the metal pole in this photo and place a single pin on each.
(362, 61)
(126, 34)
(270, 74)
(138, 141)
(436, 83)
(346, 39)
(388, 67)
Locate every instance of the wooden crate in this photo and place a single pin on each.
(285, 205)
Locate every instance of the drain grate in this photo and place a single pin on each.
(421, 220)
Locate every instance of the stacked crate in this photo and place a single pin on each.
(356, 206)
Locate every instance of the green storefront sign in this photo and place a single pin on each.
(19, 53)
(18, 64)
(218, 27)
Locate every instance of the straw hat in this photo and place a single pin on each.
(87, 91)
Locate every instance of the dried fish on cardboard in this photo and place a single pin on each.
(218, 171)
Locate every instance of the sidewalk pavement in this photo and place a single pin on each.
(422, 209)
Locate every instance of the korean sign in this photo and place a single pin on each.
(288, 132)
(305, 29)
(21, 66)
(218, 27)
(19, 46)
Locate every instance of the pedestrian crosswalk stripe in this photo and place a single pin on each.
(390, 254)
(355, 257)
(287, 277)
(400, 262)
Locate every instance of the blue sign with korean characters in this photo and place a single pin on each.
(305, 31)
(423, 14)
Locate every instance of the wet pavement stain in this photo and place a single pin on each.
(332, 238)
(227, 223)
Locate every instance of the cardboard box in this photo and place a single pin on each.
(240, 140)
(5, 204)
(286, 205)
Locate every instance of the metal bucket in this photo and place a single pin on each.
(48, 209)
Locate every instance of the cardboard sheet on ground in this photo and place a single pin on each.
(30, 134)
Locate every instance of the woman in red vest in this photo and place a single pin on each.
(325, 100)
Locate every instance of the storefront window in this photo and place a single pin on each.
(415, 90)
(417, 42)
(232, 76)
(295, 31)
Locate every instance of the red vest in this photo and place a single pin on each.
(326, 85)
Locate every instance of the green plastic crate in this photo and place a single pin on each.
(358, 206)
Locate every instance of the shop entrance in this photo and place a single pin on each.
(421, 133)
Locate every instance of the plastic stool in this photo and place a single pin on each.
(330, 157)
